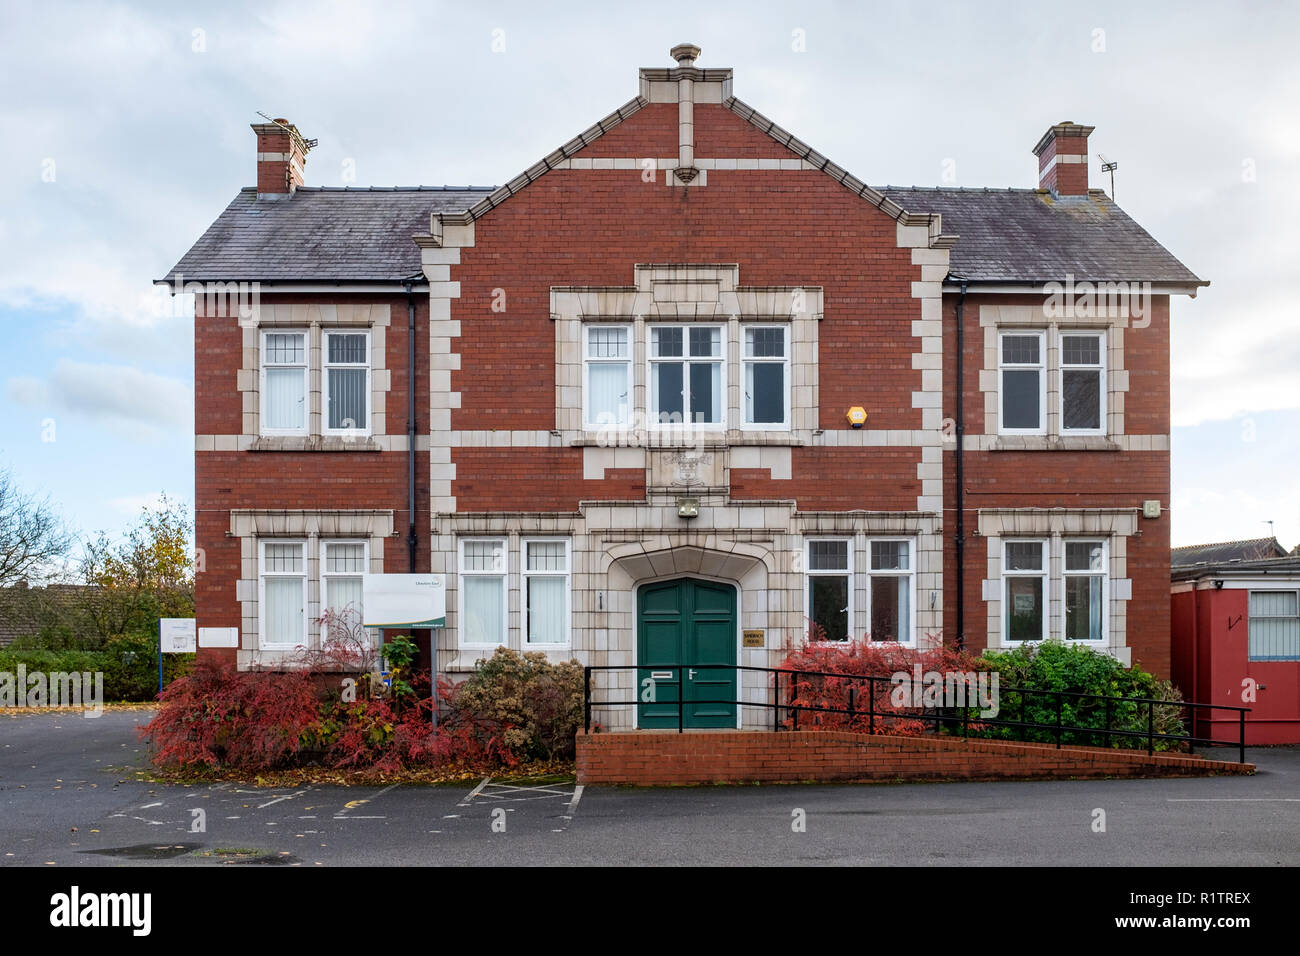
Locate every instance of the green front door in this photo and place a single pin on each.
(681, 626)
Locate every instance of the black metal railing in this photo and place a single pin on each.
(1126, 709)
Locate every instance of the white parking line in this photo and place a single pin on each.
(475, 792)
(355, 804)
(281, 799)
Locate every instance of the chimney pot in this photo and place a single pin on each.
(1063, 159)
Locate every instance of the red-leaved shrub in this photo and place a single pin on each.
(218, 716)
(256, 721)
(837, 683)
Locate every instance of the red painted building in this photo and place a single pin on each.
(1236, 637)
(610, 401)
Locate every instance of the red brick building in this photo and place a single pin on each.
(1236, 637)
(611, 401)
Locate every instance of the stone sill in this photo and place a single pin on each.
(707, 441)
(313, 443)
(1054, 443)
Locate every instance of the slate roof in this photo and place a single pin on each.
(321, 234)
(1223, 552)
(355, 235)
(1028, 235)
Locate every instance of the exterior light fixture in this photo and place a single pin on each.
(857, 416)
(688, 507)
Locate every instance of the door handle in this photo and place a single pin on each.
(691, 673)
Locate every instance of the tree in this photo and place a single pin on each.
(147, 575)
(33, 538)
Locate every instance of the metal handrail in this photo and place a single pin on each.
(854, 710)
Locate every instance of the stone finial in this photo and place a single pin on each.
(685, 54)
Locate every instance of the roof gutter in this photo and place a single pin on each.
(1005, 287)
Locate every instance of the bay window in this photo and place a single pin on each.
(1024, 590)
(482, 591)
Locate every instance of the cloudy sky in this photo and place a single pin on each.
(125, 131)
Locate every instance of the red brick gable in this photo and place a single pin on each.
(591, 227)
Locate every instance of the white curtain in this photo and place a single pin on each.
(286, 393)
(546, 610)
(283, 615)
(607, 399)
(483, 609)
(347, 398)
(345, 596)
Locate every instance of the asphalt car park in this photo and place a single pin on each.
(70, 795)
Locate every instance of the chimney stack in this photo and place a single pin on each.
(1063, 159)
(281, 156)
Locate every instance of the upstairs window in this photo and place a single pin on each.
(607, 363)
(686, 374)
(1022, 383)
(284, 383)
(1083, 383)
(766, 358)
(347, 382)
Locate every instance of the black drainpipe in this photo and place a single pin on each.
(960, 540)
(410, 421)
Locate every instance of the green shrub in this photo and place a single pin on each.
(1054, 666)
(129, 663)
(536, 704)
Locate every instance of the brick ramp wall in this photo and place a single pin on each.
(648, 758)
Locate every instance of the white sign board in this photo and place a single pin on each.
(178, 635)
(404, 600)
(219, 637)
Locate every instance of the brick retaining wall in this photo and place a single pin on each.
(648, 758)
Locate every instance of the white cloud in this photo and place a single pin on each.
(130, 401)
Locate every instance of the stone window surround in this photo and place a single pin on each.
(515, 539)
(995, 319)
(860, 573)
(1057, 525)
(374, 318)
(252, 526)
(686, 294)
